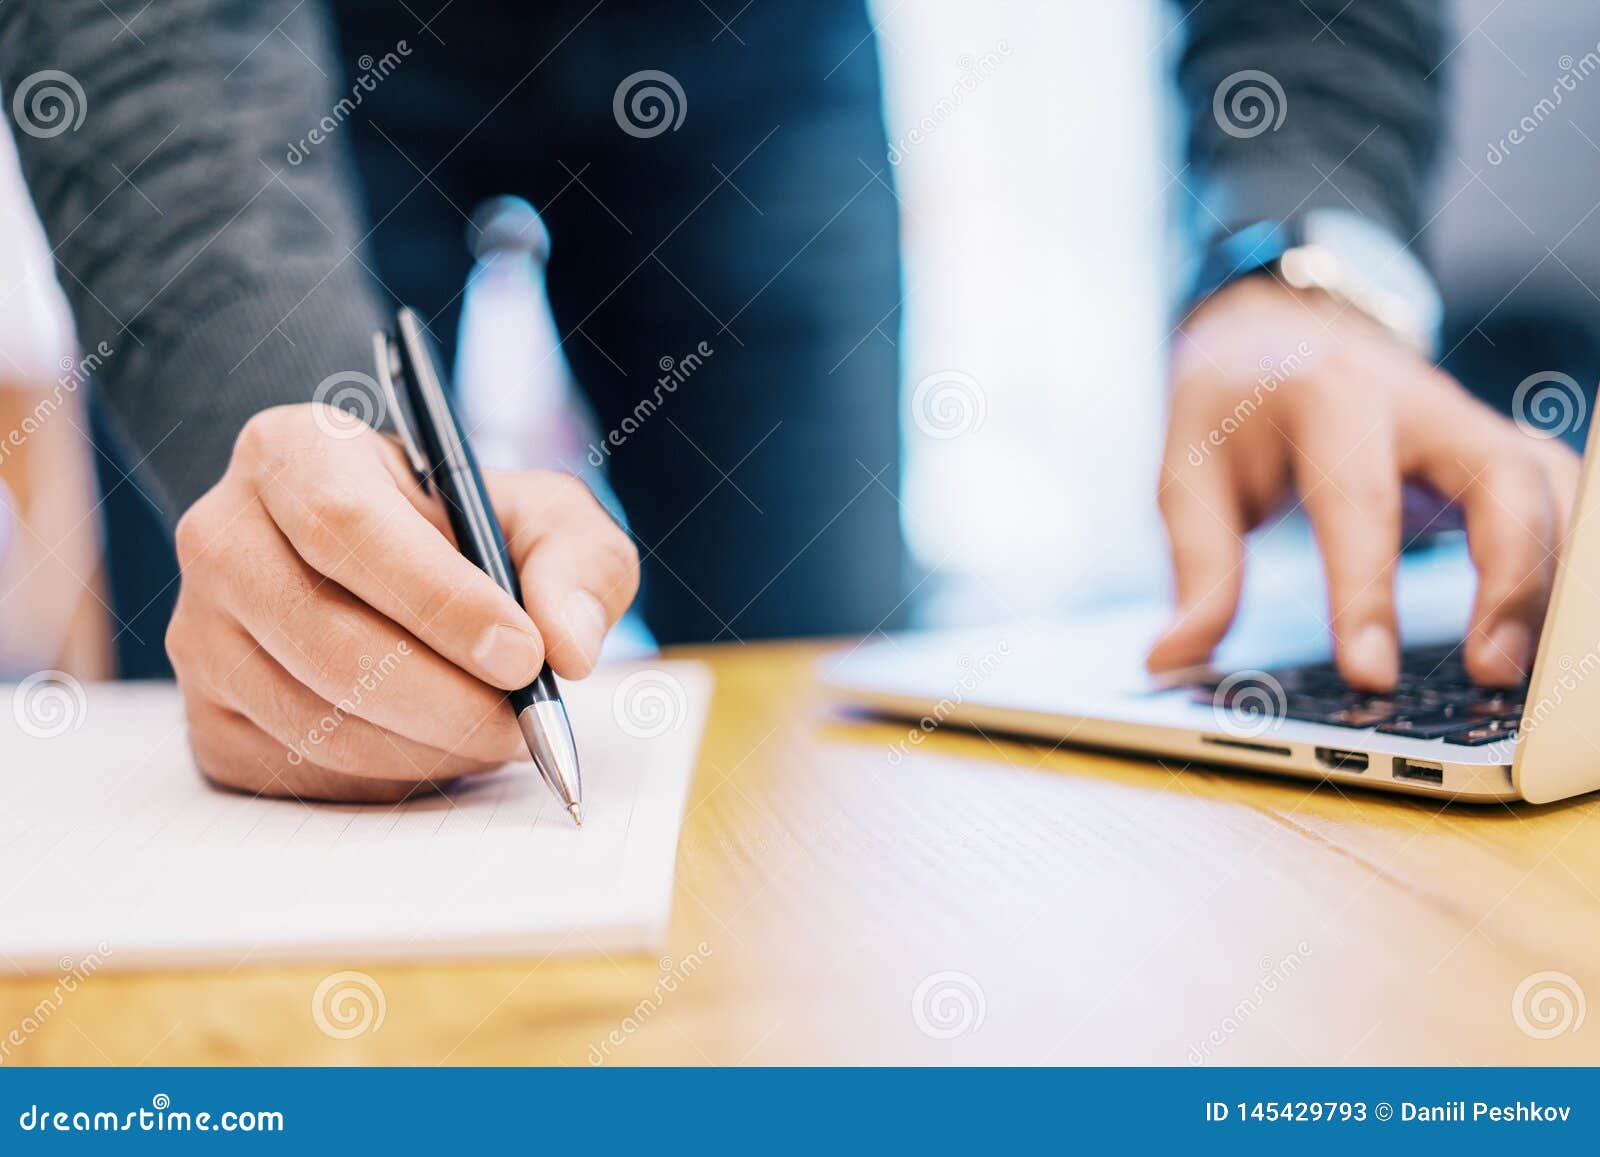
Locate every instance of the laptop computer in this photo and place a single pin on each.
(1271, 700)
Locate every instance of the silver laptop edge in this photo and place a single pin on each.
(1075, 681)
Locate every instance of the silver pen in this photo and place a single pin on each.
(443, 461)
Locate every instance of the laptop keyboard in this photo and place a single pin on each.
(1434, 699)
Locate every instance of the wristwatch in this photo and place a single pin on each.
(1350, 258)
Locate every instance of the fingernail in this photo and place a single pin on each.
(1373, 654)
(509, 655)
(1511, 642)
(585, 620)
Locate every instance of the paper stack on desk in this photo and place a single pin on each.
(111, 844)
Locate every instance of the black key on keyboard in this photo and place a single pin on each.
(1428, 727)
(1366, 714)
(1491, 732)
(1449, 695)
(1497, 706)
(1427, 665)
(1348, 710)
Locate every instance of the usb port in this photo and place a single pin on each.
(1341, 760)
(1416, 769)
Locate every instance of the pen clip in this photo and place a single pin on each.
(387, 357)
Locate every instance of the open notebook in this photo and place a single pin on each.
(112, 845)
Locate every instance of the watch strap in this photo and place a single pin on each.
(1253, 249)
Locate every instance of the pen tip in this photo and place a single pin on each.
(577, 813)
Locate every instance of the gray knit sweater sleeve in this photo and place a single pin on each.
(155, 142)
(1303, 104)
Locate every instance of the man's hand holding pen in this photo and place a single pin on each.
(330, 640)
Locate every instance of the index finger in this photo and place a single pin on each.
(345, 515)
(1205, 524)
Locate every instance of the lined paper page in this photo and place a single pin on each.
(111, 843)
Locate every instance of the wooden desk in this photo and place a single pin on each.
(1107, 910)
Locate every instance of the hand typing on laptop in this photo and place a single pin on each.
(331, 642)
(1280, 395)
